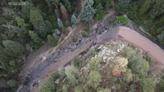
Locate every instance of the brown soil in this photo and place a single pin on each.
(142, 42)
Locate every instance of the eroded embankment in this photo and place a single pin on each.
(142, 42)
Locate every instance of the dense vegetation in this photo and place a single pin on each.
(147, 14)
(128, 72)
(25, 28)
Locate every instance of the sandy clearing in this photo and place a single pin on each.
(142, 42)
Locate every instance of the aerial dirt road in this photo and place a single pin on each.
(120, 33)
(141, 42)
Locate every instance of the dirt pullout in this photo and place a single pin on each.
(142, 42)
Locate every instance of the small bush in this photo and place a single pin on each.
(151, 20)
(76, 10)
(160, 87)
(47, 87)
(115, 79)
(132, 88)
(71, 73)
(52, 41)
(92, 52)
(160, 37)
(54, 76)
(86, 28)
(121, 19)
(67, 23)
(87, 89)
(78, 89)
(65, 88)
(76, 61)
(59, 90)
(137, 21)
(85, 34)
(110, 22)
(63, 30)
(94, 63)
(128, 76)
(117, 8)
(12, 83)
(131, 14)
(103, 90)
(61, 72)
(55, 25)
(8, 17)
(118, 86)
(2, 20)
(99, 16)
(147, 58)
(124, 3)
(147, 85)
(94, 79)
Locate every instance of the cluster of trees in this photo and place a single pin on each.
(28, 28)
(35, 23)
(148, 12)
(138, 70)
(124, 3)
(92, 7)
(39, 21)
(154, 9)
(134, 74)
(102, 6)
(70, 74)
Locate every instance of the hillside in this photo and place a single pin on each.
(112, 67)
(83, 37)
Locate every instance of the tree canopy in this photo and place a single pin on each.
(71, 73)
(88, 11)
(93, 79)
(12, 48)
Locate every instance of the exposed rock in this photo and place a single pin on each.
(66, 50)
(73, 47)
(44, 58)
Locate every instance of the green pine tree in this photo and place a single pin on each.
(67, 5)
(147, 85)
(71, 73)
(145, 7)
(73, 20)
(124, 3)
(12, 48)
(60, 24)
(88, 11)
(35, 37)
(52, 41)
(93, 79)
(157, 8)
(35, 17)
